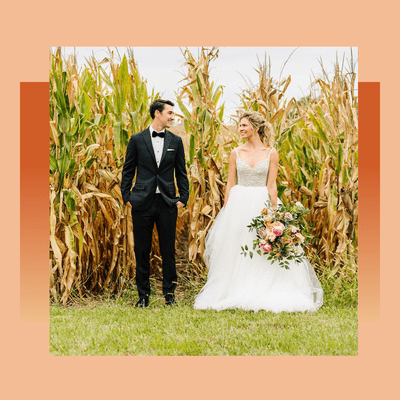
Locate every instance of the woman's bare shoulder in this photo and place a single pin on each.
(274, 153)
(233, 154)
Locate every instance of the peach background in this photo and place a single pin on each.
(28, 30)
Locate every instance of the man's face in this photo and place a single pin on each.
(166, 117)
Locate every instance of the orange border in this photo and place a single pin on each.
(369, 201)
(34, 198)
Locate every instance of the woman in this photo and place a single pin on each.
(235, 281)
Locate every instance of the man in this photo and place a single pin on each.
(154, 155)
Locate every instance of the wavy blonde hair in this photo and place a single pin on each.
(265, 130)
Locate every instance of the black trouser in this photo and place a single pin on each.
(164, 216)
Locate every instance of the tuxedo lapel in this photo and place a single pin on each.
(167, 140)
(149, 145)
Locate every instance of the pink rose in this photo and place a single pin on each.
(277, 230)
(267, 248)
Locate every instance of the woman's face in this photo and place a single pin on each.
(245, 128)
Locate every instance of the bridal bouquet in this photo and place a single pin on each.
(279, 233)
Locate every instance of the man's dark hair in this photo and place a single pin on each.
(159, 105)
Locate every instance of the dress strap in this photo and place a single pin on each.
(237, 153)
(269, 154)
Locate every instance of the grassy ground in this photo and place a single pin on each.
(113, 326)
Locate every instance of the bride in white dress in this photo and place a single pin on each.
(235, 281)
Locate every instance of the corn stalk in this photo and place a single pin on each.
(207, 158)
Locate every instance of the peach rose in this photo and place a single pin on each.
(288, 216)
(268, 218)
(262, 233)
(278, 223)
(268, 225)
(271, 236)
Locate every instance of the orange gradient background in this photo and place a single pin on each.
(27, 31)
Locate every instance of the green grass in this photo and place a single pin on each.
(113, 326)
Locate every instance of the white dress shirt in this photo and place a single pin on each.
(158, 145)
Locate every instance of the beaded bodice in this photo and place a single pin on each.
(248, 176)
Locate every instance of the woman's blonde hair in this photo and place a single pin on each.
(257, 120)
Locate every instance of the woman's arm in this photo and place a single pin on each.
(272, 175)
(231, 175)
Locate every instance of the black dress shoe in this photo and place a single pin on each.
(143, 302)
(169, 300)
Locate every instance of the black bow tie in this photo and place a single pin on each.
(155, 133)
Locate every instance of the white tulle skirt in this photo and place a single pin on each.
(236, 281)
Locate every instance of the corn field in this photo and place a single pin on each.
(95, 110)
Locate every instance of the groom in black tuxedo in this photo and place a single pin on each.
(154, 155)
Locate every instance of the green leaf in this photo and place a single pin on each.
(217, 94)
(339, 159)
(184, 110)
(207, 123)
(321, 134)
(70, 203)
(221, 112)
(117, 136)
(80, 238)
(90, 162)
(191, 149)
(53, 164)
(199, 85)
(86, 106)
(200, 156)
(97, 119)
(71, 166)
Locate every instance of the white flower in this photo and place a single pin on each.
(288, 216)
(297, 250)
(298, 204)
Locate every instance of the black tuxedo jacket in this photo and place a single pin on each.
(140, 160)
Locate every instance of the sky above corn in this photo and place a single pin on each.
(235, 67)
